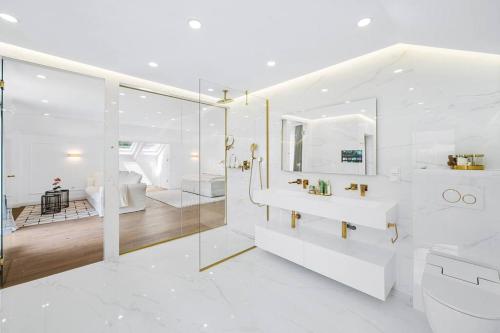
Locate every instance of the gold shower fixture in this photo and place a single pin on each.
(226, 99)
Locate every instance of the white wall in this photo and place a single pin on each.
(36, 149)
(460, 92)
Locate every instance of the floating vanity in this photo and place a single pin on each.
(365, 267)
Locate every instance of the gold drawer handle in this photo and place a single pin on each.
(395, 226)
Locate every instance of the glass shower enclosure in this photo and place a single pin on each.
(233, 163)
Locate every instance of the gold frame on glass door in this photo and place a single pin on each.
(225, 172)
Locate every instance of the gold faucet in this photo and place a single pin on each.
(352, 187)
(363, 189)
(346, 226)
(298, 181)
(295, 216)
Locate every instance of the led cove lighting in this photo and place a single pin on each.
(8, 18)
(271, 63)
(152, 64)
(364, 22)
(194, 24)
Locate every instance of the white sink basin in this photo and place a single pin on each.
(357, 211)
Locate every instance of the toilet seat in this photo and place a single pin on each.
(463, 286)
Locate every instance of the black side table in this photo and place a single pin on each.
(64, 197)
(51, 203)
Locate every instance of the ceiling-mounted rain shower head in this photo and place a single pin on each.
(226, 99)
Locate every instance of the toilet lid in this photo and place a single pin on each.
(479, 300)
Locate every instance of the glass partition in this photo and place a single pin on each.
(52, 158)
(233, 164)
(159, 166)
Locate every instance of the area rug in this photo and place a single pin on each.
(180, 199)
(31, 215)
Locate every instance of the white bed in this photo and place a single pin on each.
(205, 184)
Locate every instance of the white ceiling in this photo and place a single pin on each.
(238, 37)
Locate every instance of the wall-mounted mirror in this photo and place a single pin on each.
(338, 139)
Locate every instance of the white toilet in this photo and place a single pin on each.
(460, 295)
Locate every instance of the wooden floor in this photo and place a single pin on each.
(38, 251)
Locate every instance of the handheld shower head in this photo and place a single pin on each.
(253, 149)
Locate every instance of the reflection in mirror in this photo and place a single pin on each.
(331, 139)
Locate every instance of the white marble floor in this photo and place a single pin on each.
(160, 290)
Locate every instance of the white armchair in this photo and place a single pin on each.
(132, 192)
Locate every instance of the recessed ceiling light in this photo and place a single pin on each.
(143, 96)
(411, 89)
(153, 125)
(397, 71)
(122, 94)
(211, 124)
(113, 102)
(347, 102)
(271, 63)
(210, 89)
(152, 64)
(46, 114)
(172, 119)
(194, 24)
(159, 112)
(363, 110)
(420, 103)
(364, 22)
(8, 18)
(323, 116)
(204, 109)
(324, 90)
(44, 101)
(121, 111)
(245, 116)
(41, 76)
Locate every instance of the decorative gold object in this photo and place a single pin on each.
(315, 191)
(363, 189)
(395, 226)
(468, 167)
(298, 181)
(305, 183)
(466, 162)
(352, 187)
(295, 216)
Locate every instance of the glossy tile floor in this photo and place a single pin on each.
(159, 289)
